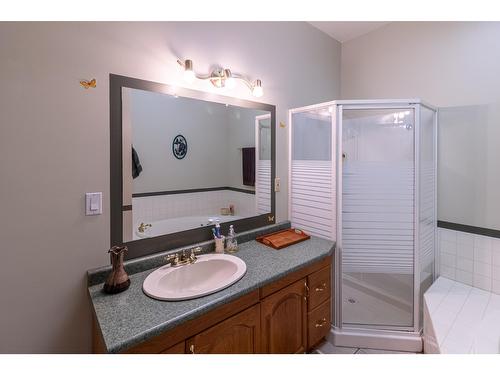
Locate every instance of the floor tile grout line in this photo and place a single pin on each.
(442, 299)
(456, 316)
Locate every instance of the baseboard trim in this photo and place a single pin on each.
(383, 340)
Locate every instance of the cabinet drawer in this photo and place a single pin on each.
(320, 289)
(319, 322)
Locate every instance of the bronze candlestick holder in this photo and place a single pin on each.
(118, 280)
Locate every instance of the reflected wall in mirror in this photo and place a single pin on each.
(218, 170)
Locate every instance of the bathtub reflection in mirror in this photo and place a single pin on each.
(188, 163)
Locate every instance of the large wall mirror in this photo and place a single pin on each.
(182, 160)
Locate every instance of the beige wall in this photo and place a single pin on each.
(453, 65)
(54, 145)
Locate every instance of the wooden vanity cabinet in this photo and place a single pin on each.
(290, 315)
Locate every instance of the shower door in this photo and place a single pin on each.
(376, 218)
(363, 173)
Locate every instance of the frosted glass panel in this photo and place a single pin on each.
(312, 182)
(263, 164)
(378, 216)
(427, 204)
(312, 135)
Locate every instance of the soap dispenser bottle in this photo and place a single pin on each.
(231, 242)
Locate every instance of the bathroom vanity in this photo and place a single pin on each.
(281, 305)
(181, 161)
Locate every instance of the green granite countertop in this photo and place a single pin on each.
(131, 317)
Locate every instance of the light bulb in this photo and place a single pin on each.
(257, 90)
(189, 76)
(230, 83)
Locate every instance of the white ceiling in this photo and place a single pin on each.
(347, 30)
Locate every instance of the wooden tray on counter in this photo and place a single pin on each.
(283, 238)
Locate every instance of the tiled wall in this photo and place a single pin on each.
(154, 208)
(470, 259)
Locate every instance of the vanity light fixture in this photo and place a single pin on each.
(221, 77)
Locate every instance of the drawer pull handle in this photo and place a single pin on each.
(191, 348)
(320, 323)
(321, 288)
(306, 290)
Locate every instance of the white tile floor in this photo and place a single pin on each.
(328, 348)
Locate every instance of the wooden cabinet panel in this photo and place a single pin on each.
(236, 335)
(319, 323)
(284, 320)
(319, 284)
(179, 348)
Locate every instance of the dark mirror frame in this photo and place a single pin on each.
(152, 245)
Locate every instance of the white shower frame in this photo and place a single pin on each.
(373, 336)
(257, 155)
(308, 108)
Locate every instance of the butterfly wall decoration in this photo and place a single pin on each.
(88, 84)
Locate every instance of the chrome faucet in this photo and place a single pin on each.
(176, 260)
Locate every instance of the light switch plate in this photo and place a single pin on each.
(277, 184)
(93, 203)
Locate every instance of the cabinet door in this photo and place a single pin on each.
(239, 334)
(179, 348)
(284, 320)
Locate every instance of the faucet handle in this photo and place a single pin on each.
(172, 259)
(194, 251)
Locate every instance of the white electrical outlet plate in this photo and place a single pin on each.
(277, 184)
(93, 203)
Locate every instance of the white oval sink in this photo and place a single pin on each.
(209, 274)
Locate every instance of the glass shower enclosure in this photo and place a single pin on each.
(363, 173)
